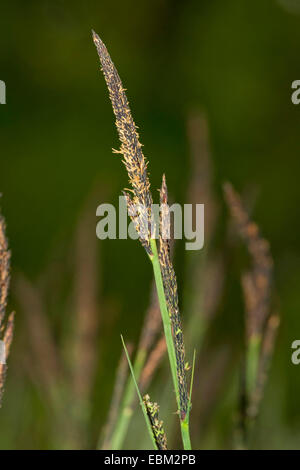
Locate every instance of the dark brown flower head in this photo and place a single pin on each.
(131, 148)
(156, 425)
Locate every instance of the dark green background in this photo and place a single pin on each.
(235, 60)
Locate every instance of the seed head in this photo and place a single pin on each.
(131, 148)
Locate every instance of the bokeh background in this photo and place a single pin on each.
(232, 63)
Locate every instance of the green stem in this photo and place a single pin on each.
(184, 423)
(253, 352)
(248, 385)
(185, 433)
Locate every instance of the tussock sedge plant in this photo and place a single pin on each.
(164, 275)
(6, 329)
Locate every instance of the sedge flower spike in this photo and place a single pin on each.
(131, 148)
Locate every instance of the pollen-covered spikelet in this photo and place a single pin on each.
(156, 425)
(171, 294)
(131, 148)
(6, 331)
(257, 282)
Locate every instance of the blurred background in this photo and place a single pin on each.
(209, 83)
